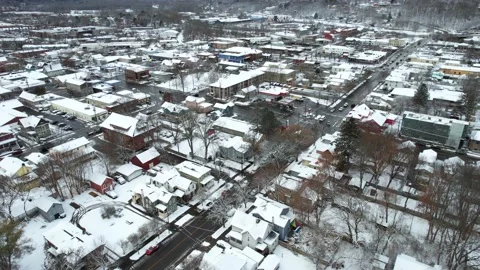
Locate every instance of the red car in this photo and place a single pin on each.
(152, 249)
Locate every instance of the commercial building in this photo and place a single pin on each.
(227, 87)
(82, 111)
(433, 129)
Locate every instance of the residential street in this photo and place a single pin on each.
(180, 244)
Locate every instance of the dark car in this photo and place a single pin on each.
(152, 249)
(54, 122)
(66, 128)
(71, 117)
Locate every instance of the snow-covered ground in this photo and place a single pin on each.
(184, 220)
(192, 83)
(113, 229)
(290, 260)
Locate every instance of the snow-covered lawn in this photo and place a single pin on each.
(180, 211)
(191, 83)
(113, 229)
(289, 260)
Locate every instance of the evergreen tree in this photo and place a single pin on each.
(347, 143)
(267, 122)
(470, 97)
(420, 99)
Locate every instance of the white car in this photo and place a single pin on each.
(111, 194)
(340, 109)
(120, 180)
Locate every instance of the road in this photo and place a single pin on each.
(180, 244)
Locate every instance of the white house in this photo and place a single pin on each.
(129, 171)
(248, 231)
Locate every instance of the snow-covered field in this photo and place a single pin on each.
(191, 83)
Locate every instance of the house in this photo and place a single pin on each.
(233, 126)
(172, 112)
(34, 127)
(8, 141)
(147, 159)
(36, 159)
(198, 104)
(49, 208)
(53, 70)
(182, 188)
(127, 131)
(65, 237)
(13, 167)
(223, 256)
(197, 173)
(129, 171)
(225, 109)
(30, 100)
(77, 149)
(296, 192)
(275, 213)
(235, 149)
(101, 183)
(156, 200)
(271, 262)
(249, 231)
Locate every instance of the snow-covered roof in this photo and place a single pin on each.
(45, 203)
(407, 144)
(271, 262)
(148, 155)
(405, 262)
(475, 135)
(428, 156)
(9, 166)
(78, 75)
(98, 178)
(236, 143)
(192, 169)
(243, 222)
(7, 115)
(360, 112)
(31, 121)
(75, 105)
(272, 211)
(67, 237)
(52, 67)
(36, 158)
(233, 124)
(124, 124)
(237, 78)
(128, 169)
(70, 145)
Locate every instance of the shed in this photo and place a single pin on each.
(129, 171)
(49, 208)
(147, 159)
(101, 183)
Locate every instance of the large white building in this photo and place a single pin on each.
(336, 49)
(82, 111)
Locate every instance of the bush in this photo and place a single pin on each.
(109, 211)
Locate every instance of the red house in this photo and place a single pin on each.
(147, 159)
(101, 183)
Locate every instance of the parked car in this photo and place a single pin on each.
(111, 194)
(120, 179)
(345, 105)
(54, 122)
(67, 128)
(152, 249)
(332, 110)
(71, 117)
(62, 124)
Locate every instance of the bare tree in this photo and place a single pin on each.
(11, 192)
(188, 125)
(353, 211)
(219, 211)
(206, 133)
(240, 194)
(49, 175)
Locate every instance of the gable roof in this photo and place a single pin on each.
(70, 145)
(271, 211)
(45, 203)
(148, 155)
(257, 228)
(31, 121)
(98, 178)
(9, 166)
(128, 169)
(123, 124)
